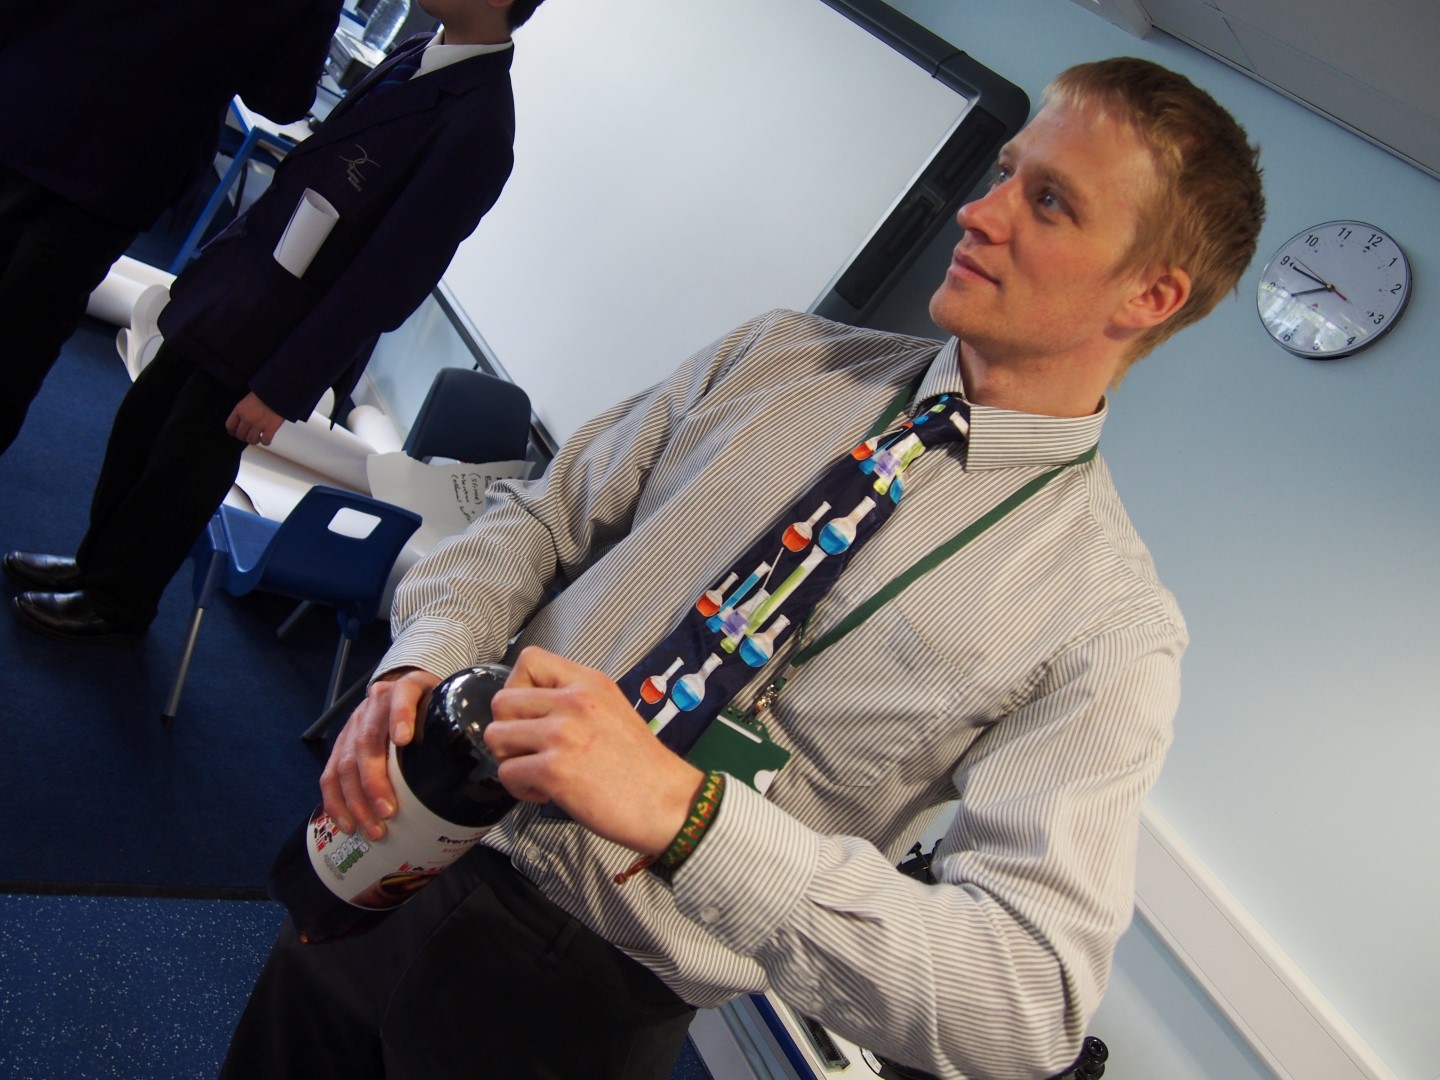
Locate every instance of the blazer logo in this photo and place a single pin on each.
(353, 167)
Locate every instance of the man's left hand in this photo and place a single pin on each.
(564, 733)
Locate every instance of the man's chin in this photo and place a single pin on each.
(945, 311)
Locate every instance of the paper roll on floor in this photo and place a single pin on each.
(114, 298)
(141, 341)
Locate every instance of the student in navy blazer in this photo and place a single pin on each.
(109, 113)
(411, 163)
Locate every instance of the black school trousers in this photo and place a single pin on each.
(477, 976)
(168, 466)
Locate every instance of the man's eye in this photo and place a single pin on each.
(1000, 174)
(1050, 201)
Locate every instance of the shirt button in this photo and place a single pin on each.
(710, 914)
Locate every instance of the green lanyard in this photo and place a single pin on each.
(926, 563)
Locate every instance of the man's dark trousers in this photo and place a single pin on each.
(477, 975)
(52, 256)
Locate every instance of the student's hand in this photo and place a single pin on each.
(355, 785)
(252, 421)
(565, 733)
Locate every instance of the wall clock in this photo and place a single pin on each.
(1334, 289)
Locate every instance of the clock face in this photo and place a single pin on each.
(1334, 289)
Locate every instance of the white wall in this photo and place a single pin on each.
(1292, 507)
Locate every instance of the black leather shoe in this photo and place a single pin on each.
(69, 616)
(49, 573)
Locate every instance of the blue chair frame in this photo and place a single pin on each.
(256, 144)
(317, 554)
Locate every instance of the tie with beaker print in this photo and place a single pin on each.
(734, 627)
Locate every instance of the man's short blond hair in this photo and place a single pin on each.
(1205, 212)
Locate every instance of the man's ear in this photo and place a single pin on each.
(1159, 294)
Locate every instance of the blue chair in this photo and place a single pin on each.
(471, 416)
(467, 415)
(335, 548)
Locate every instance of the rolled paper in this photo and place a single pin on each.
(309, 225)
(333, 452)
(376, 428)
(114, 299)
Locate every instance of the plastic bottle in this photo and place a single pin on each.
(447, 797)
(384, 23)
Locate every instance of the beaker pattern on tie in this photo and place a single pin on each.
(749, 617)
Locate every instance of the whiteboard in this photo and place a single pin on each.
(682, 165)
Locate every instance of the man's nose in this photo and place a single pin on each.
(985, 217)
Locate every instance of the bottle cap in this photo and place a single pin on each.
(462, 702)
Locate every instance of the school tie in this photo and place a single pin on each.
(400, 73)
(736, 626)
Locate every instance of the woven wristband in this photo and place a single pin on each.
(702, 813)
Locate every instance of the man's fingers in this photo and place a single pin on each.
(539, 667)
(406, 697)
(516, 735)
(368, 793)
(355, 784)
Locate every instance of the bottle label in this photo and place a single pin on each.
(382, 874)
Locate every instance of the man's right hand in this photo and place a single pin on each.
(355, 784)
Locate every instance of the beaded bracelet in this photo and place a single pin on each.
(664, 865)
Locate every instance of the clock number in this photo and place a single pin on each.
(1376, 317)
(1311, 240)
(1396, 287)
(1284, 261)
(1392, 262)
(1350, 341)
(1344, 232)
(1287, 335)
(1375, 240)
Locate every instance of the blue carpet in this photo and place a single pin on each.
(94, 987)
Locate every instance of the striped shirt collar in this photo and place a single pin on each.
(1002, 438)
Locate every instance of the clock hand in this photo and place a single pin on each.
(1307, 292)
(1315, 277)
(1308, 272)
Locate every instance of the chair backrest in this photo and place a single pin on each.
(471, 416)
(336, 548)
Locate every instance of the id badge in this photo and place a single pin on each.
(742, 749)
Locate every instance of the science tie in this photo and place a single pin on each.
(736, 625)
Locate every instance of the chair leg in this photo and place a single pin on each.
(337, 672)
(172, 703)
(292, 618)
(316, 731)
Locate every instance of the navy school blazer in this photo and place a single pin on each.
(411, 171)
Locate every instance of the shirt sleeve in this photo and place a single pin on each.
(995, 970)
(464, 602)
